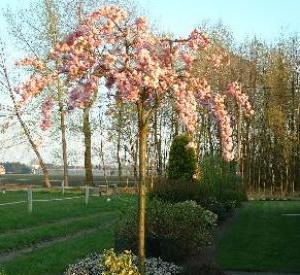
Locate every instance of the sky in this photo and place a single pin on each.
(245, 18)
(264, 18)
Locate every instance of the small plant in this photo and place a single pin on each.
(118, 264)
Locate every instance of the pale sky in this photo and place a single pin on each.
(264, 18)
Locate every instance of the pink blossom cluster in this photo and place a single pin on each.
(186, 105)
(141, 24)
(214, 103)
(126, 86)
(34, 62)
(221, 115)
(187, 58)
(198, 40)
(234, 90)
(37, 81)
(46, 113)
(81, 94)
(75, 57)
(33, 86)
(134, 61)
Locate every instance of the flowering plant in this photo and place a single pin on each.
(125, 263)
(138, 65)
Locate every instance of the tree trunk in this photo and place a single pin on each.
(119, 128)
(36, 151)
(210, 141)
(103, 164)
(157, 142)
(63, 138)
(52, 31)
(33, 145)
(135, 150)
(25, 129)
(118, 153)
(88, 147)
(143, 135)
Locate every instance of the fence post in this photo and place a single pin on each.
(63, 187)
(2, 186)
(87, 194)
(29, 199)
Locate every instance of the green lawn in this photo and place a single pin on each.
(55, 259)
(262, 239)
(74, 228)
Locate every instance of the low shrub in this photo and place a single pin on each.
(179, 191)
(110, 263)
(174, 231)
(217, 207)
(218, 198)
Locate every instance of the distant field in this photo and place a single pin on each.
(74, 180)
(263, 238)
(56, 233)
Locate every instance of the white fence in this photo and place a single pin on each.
(30, 199)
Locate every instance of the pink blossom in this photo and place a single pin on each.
(186, 105)
(80, 95)
(141, 23)
(140, 66)
(187, 58)
(234, 90)
(34, 62)
(46, 113)
(198, 40)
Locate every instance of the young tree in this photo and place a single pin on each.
(17, 111)
(52, 35)
(143, 69)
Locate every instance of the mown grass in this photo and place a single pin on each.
(262, 239)
(87, 228)
(55, 259)
(16, 216)
(35, 235)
